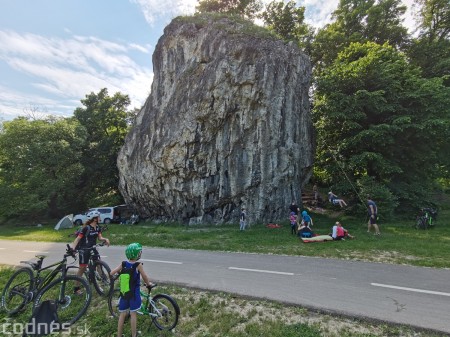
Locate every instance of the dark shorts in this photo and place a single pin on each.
(373, 219)
(84, 255)
(133, 304)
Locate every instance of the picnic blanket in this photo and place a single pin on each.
(273, 225)
(318, 238)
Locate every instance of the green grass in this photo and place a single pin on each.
(399, 243)
(220, 314)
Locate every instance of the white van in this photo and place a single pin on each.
(107, 215)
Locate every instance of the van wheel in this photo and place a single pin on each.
(78, 222)
(107, 221)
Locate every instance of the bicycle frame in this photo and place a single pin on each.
(38, 282)
(147, 301)
(90, 270)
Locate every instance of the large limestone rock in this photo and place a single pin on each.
(227, 124)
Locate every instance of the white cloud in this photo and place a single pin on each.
(71, 68)
(153, 10)
(317, 12)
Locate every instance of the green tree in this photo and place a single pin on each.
(245, 8)
(105, 119)
(431, 50)
(379, 121)
(287, 20)
(40, 166)
(360, 21)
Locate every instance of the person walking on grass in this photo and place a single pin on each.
(373, 215)
(131, 301)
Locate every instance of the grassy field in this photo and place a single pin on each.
(218, 314)
(208, 314)
(399, 243)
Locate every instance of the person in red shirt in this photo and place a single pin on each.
(340, 233)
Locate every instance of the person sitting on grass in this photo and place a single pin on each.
(333, 198)
(304, 231)
(340, 233)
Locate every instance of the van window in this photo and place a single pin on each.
(104, 210)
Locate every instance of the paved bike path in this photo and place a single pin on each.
(414, 296)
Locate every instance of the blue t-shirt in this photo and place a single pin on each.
(306, 218)
(374, 205)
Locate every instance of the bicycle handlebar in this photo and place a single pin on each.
(101, 244)
(70, 252)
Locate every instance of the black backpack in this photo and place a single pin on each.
(128, 280)
(43, 321)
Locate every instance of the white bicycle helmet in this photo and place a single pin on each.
(93, 214)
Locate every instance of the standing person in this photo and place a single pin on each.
(87, 238)
(316, 194)
(242, 219)
(333, 198)
(306, 219)
(131, 300)
(294, 208)
(293, 220)
(373, 215)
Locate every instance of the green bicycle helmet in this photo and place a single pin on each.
(133, 251)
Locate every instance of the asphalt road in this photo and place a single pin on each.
(414, 296)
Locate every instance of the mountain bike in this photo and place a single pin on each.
(98, 272)
(426, 218)
(29, 284)
(162, 309)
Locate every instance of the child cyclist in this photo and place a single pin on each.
(132, 303)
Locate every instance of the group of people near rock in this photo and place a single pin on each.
(301, 225)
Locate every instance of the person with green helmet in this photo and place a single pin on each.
(130, 300)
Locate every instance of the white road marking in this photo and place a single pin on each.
(411, 289)
(103, 256)
(35, 251)
(161, 261)
(262, 271)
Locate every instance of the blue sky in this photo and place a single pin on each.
(54, 52)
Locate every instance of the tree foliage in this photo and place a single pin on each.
(105, 119)
(431, 50)
(434, 19)
(360, 21)
(377, 118)
(245, 8)
(287, 21)
(40, 166)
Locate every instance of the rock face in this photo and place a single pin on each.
(227, 125)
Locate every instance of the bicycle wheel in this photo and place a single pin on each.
(102, 280)
(18, 291)
(72, 305)
(167, 310)
(423, 223)
(113, 302)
